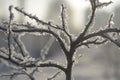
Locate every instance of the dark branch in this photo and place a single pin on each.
(64, 23)
(41, 31)
(95, 42)
(88, 24)
(54, 76)
(110, 21)
(37, 19)
(49, 64)
(9, 31)
(19, 43)
(101, 32)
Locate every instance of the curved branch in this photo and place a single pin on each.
(41, 31)
(101, 32)
(86, 27)
(95, 42)
(37, 19)
(48, 64)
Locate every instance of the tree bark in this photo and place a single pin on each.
(69, 68)
(69, 73)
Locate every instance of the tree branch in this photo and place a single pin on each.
(54, 76)
(88, 24)
(64, 23)
(9, 31)
(95, 42)
(20, 45)
(36, 19)
(47, 64)
(40, 31)
(101, 32)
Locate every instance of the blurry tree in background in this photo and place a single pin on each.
(17, 58)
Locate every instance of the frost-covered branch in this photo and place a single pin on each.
(49, 23)
(9, 31)
(65, 29)
(15, 74)
(21, 46)
(94, 5)
(93, 9)
(117, 42)
(63, 17)
(46, 64)
(37, 19)
(101, 32)
(110, 21)
(55, 75)
(40, 31)
(94, 42)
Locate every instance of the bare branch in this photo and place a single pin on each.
(63, 17)
(15, 74)
(41, 31)
(30, 76)
(3, 51)
(95, 42)
(64, 23)
(9, 31)
(37, 19)
(20, 45)
(33, 72)
(101, 32)
(12, 75)
(47, 64)
(111, 39)
(99, 5)
(110, 21)
(55, 75)
(88, 24)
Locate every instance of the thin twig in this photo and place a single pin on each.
(64, 23)
(95, 42)
(49, 64)
(62, 45)
(88, 24)
(9, 31)
(110, 21)
(20, 45)
(55, 75)
(37, 19)
(63, 17)
(101, 32)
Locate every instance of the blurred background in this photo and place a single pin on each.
(97, 62)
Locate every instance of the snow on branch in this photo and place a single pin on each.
(21, 46)
(94, 42)
(94, 5)
(9, 31)
(64, 25)
(40, 31)
(37, 19)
